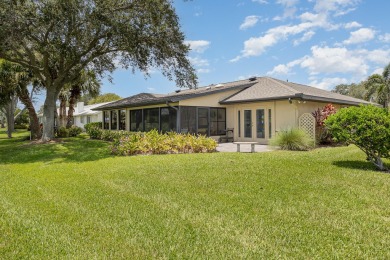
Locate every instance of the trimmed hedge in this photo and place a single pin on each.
(155, 143)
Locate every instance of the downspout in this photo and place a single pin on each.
(177, 116)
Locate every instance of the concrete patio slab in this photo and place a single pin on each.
(232, 148)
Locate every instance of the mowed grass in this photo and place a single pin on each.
(74, 200)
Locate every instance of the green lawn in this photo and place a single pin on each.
(74, 200)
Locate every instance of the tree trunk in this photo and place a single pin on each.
(62, 116)
(34, 122)
(49, 109)
(74, 95)
(10, 111)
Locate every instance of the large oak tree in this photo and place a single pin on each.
(58, 39)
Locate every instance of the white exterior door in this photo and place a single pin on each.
(253, 124)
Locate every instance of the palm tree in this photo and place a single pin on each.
(87, 83)
(378, 87)
(14, 80)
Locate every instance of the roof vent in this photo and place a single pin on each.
(219, 85)
(178, 91)
(252, 78)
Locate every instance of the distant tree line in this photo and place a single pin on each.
(376, 88)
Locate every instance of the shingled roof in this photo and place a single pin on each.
(252, 90)
(145, 99)
(267, 88)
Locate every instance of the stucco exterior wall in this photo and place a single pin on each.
(310, 107)
(208, 100)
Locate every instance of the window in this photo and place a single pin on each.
(88, 119)
(151, 119)
(136, 120)
(217, 121)
(239, 123)
(114, 119)
(260, 124)
(188, 120)
(269, 123)
(248, 123)
(122, 119)
(168, 119)
(203, 121)
(82, 119)
(106, 120)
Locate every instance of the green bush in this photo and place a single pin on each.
(292, 139)
(98, 125)
(75, 131)
(62, 132)
(155, 143)
(368, 127)
(21, 126)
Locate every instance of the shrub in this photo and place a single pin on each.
(62, 132)
(75, 131)
(155, 143)
(368, 127)
(292, 139)
(323, 136)
(98, 125)
(21, 126)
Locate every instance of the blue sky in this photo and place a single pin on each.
(321, 43)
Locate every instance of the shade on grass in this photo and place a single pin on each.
(74, 200)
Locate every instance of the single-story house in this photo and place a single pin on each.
(83, 114)
(253, 109)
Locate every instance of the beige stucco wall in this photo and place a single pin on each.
(209, 100)
(309, 107)
(284, 115)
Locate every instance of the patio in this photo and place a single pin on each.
(231, 147)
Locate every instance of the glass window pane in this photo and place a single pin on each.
(221, 114)
(122, 120)
(203, 121)
(114, 120)
(260, 123)
(269, 123)
(106, 120)
(168, 119)
(239, 123)
(188, 120)
(151, 119)
(136, 120)
(248, 123)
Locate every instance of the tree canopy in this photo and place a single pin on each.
(58, 39)
(104, 98)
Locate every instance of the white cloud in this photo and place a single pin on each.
(381, 57)
(377, 71)
(334, 5)
(199, 62)
(198, 46)
(351, 25)
(328, 83)
(260, 1)
(289, 9)
(284, 69)
(325, 60)
(203, 70)
(256, 46)
(334, 60)
(385, 37)
(249, 22)
(306, 36)
(361, 35)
